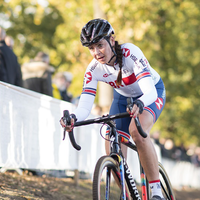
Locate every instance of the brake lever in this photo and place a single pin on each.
(67, 121)
(64, 133)
(137, 122)
(130, 103)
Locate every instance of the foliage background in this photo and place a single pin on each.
(168, 32)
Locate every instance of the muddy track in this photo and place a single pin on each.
(21, 187)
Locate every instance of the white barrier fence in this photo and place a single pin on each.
(182, 174)
(31, 135)
(31, 138)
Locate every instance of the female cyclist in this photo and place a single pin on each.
(127, 70)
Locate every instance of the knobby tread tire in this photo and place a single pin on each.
(102, 163)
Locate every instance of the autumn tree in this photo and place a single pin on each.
(168, 33)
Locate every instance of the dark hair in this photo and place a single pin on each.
(118, 51)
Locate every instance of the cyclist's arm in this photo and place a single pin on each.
(84, 106)
(88, 94)
(149, 91)
(144, 76)
(82, 111)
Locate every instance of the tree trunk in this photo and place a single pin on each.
(105, 91)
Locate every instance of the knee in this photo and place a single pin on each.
(137, 138)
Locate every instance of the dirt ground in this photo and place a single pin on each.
(29, 187)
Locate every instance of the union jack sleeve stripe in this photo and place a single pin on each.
(152, 112)
(121, 133)
(124, 134)
(90, 91)
(143, 75)
(107, 132)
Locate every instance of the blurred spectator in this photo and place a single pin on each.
(155, 136)
(10, 70)
(177, 153)
(37, 74)
(180, 153)
(61, 83)
(171, 151)
(195, 159)
(168, 149)
(9, 41)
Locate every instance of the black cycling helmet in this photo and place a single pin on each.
(94, 31)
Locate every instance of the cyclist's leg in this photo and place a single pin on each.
(146, 150)
(145, 147)
(147, 153)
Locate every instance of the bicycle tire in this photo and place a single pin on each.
(106, 164)
(166, 186)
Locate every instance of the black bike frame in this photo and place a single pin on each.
(125, 173)
(116, 151)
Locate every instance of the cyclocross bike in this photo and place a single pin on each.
(123, 186)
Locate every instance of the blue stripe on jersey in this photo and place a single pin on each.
(121, 133)
(124, 134)
(143, 75)
(90, 91)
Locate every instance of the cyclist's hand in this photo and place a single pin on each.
(134, 112)
(136, 108)
(68, 120)
(68, 128)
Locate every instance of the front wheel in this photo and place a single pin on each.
(104, 185)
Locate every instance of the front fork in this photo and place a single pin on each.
(122, 179)
(121, 176)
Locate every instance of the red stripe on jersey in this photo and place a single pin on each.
(130, 79)
(152, 112)
(89, 91)
(126, 135)
(143, 74)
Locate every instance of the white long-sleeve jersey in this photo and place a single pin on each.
(138, 79)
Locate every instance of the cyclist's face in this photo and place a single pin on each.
(102, 52)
